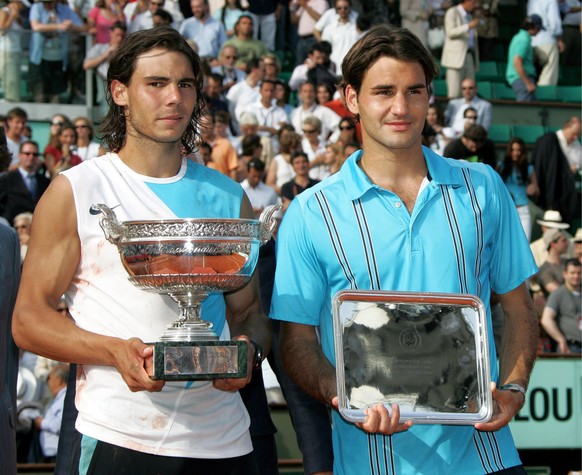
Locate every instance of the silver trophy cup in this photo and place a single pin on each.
(188, 259)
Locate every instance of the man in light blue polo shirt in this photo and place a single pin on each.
(399, 217)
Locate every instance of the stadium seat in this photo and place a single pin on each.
(529, 133)
(485, 89)
(570, 94)
(548, 93)
(487, 71)
(500, 133)
(503, 91)
(440, 87)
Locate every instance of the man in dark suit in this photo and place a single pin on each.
(21, 189)
(556, 175)
(9, 280)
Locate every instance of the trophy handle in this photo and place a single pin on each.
(112, 229)
(268, 222)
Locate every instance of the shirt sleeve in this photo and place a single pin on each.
(300, 284)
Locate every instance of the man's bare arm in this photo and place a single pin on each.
(549, 324)
(52, 259)
(305, 362)
(517, 355)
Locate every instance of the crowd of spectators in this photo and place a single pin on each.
(254, 134)
(51, 34)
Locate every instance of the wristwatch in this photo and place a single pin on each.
(513, 387)
(259, 355)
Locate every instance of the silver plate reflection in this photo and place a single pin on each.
(426, 352)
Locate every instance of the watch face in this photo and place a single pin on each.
(428, 353)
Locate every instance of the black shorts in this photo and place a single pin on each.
(110, 459)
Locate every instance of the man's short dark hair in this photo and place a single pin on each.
(216, 77)
(476, 133)
(572, 262)
(469, 109)
(165, 15)
(28, 142)
(16, 112)
(249, 145)
(252, 63)
(121, 68)
(118, 25)
(298, 154)
(321, 46)
(244, 15)
(257, 164)
(385, 41)
(268, 81)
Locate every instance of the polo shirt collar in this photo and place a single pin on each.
(441, 173)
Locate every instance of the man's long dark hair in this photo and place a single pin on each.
(121, 68)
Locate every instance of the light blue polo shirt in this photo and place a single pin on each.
(201, 192)
(464, 236)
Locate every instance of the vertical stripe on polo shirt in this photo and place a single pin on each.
(478, 213)
(392, 464)
(488, 450)
(381, 454)
(457, 239)
(335, 238)
(369, 253)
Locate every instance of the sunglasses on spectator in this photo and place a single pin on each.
(60, 124)
(30, 154)
(342, 8)
(231, 57)
(82, 126)
(309, 131)
(471, 117)
(346, 127)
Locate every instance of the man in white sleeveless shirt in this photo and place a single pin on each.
(130, 423)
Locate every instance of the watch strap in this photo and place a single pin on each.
(516, 388)
(259, 355)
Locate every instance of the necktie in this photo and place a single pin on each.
(31, 183)
(468, 18)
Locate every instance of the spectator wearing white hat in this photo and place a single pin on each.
(551, 220)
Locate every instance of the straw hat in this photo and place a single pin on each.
(553, 219)
(578, 236)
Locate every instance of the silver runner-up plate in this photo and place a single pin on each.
(426, 352)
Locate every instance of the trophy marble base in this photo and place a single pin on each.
(199, 360)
